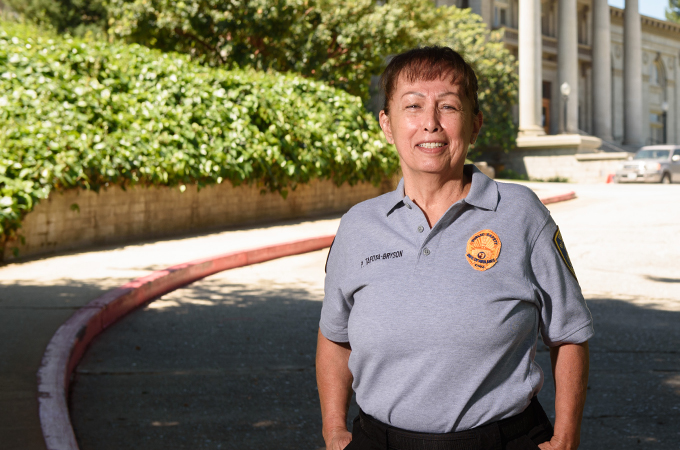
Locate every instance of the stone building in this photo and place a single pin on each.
(621, 69)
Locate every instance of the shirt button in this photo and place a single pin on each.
(420, 228)
(426, 251)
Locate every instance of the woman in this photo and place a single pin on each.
(435, 293)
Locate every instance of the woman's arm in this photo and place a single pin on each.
(570, 371)
(334, 381)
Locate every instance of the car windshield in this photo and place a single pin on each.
(652, 154)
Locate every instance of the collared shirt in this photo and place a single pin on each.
(443, 321)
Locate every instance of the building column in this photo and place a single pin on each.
(567, 61)
(530, 68)
(632, 74)
(602, 71)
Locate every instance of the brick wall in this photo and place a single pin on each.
(77, 219)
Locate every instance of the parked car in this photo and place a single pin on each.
(652, 164)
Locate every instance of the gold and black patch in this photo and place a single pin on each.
(562, 249)
(482, 250)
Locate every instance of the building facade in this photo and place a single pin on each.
(586, 43)
(622, 70)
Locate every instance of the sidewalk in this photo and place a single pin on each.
(38, 296)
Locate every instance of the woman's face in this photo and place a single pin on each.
(432, 124)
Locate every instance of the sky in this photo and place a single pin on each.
(651, 8)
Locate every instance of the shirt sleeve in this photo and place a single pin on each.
(337, 305)
(565, 318)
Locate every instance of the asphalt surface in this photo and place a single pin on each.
(37, 296)
(227, 362)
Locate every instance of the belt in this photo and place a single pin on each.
(490, 436)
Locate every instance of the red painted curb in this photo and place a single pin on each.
(559, 198)
(70, 341)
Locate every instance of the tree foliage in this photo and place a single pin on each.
(84, 114)
(342, 43)
(673, 11)
(77, 17)
(496, 70)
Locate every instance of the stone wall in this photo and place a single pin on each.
(77, 219)
(544, 164)
(577, 168)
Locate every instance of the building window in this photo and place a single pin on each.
(656, 125)
(583, 26)
(500, 16)
(548, 19)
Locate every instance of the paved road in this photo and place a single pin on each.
(37, 296)
(227, 363)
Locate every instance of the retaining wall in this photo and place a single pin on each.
(577, 168)
(544, 164)
(77, 218)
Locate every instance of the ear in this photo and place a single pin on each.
(385, 125)
(477, 123)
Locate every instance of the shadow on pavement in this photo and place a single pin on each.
(228, 367)
(30, 313)
(662, 280)
(202, 368)
(634, 387)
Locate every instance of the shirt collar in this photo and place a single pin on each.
(483, 192)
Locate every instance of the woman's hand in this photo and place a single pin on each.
(338, 440)
(555, 444)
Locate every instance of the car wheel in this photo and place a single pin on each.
(666, 178)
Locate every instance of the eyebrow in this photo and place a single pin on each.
(420, 94)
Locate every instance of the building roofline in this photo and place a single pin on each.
(648, 21)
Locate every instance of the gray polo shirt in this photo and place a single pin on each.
(443, 322)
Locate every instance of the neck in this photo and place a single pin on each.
(434, 193)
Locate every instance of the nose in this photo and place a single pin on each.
(431, 121)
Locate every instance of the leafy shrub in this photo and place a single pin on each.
(557, 179)
(81, 114)
(342, 43)
(509, 174)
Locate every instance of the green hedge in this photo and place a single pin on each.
(85, 114)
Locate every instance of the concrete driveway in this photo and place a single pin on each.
(228, 362)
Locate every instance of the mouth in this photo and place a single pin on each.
(431, 145)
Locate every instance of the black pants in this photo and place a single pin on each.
(521, 432)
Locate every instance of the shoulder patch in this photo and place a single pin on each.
(562, 250)
(483, 249)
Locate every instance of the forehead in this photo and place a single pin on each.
(442, 85)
